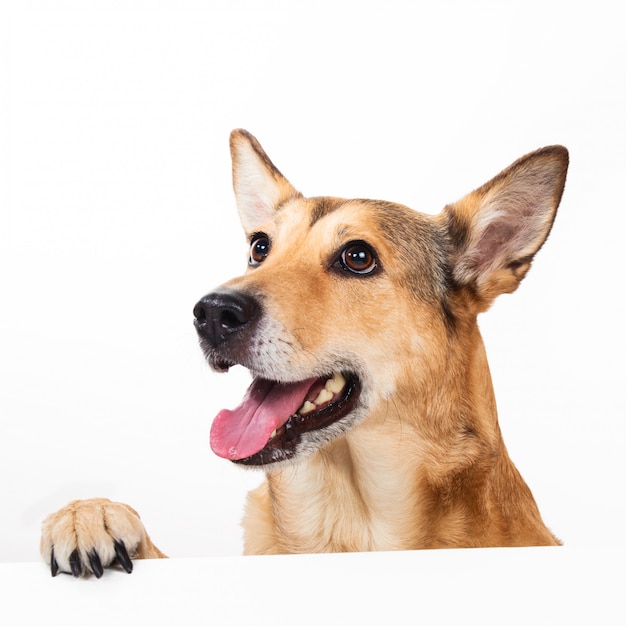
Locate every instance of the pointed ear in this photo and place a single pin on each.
(497, 229)
(259, 187)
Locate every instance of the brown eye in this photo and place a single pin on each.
(259, 249)
(357, 257)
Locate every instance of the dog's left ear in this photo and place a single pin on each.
(496, 230)
(259, 187)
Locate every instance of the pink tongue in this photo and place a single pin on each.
(266, 406)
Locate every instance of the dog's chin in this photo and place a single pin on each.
(304, 434)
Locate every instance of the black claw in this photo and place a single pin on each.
(96, 564)
(122, 555)
(54, 566)
(75, 565)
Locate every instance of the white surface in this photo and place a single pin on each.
(116, 215)
(537, 586)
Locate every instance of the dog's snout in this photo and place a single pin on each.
(220, 314)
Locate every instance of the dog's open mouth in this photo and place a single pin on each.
(272, 418)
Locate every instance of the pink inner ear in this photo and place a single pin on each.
(502, 241)
(518, 219)
(259, 209)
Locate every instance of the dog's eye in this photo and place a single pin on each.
(259, 249)
(357, 257)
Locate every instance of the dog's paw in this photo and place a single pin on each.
(87, 536)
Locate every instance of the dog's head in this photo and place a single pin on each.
(344, 301)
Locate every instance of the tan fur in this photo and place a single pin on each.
(425, 466)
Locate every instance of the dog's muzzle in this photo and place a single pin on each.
(276, 420)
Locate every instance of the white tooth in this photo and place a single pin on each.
(323, 396)
(336, 383)
(273, 434)
(307, 407)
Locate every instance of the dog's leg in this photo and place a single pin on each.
(88, 535)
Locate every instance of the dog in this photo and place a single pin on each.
(371, 408)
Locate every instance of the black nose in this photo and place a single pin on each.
(221, 314)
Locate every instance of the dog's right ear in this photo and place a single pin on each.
(259, 187)
(496, 230)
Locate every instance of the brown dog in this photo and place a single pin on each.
(371, 408)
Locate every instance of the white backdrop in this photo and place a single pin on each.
(117, 214)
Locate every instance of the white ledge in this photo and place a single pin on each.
(501, 586)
